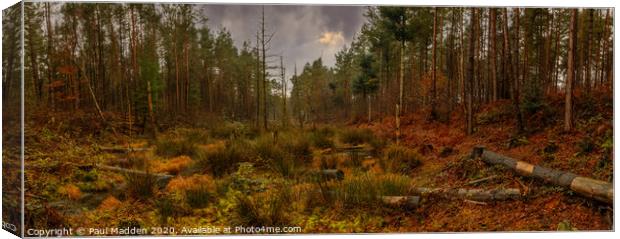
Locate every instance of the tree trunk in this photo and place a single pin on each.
(492, 54)
(434, 69)
(568, 106)
(516, 89)
(470, 72)
(588, 53)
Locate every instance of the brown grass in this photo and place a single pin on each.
(109, 203)
(71, 191)
(172, 166)
(182, 184)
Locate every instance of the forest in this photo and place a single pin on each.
(432, 119)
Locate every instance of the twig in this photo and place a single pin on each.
(481, 180)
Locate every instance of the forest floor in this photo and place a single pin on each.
(225, 174)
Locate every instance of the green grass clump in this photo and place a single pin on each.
(266, 209)
(222, 160)
(400, 159)
(167, 147)
(321, 140)
(297, 146)
(356, 136)
(228, 130)
(198, 197)
(366, 189)
(274, 156)
(141, 186)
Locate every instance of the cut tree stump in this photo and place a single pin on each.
(401, 201)
(588, 187)
(470, 194)
(160, 179)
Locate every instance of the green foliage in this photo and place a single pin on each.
(243, 181)
(198, 197)
(356, 136)
(400, 159)
(566, 226)
(366, 82)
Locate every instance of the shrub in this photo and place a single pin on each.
(198, 197)
(197, 136)
(247, 212)
(170, 205)
(320, 138)
(366, 189)
(228, 130)
(400, 159)
(242, 180)
(274, 156)
(297, 146)
(393, 185)
(223, 159)
(356, 136)
(141, 185)
(167, 147)
(377, 146)
(267, 209)
(266, 148)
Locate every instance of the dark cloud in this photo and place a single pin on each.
(298, 28)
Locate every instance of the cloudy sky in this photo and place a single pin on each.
(303, 33)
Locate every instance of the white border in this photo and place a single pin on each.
(526, 3)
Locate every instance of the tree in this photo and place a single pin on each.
(570, 72)
(470, 73)
(492, 54)
(366, 83)
(395, 18)
(434, 69)
(283, 80)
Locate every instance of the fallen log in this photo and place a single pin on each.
(401, 201)
(588, 187)
(121, 150)
(470, 194)
(161, 180)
